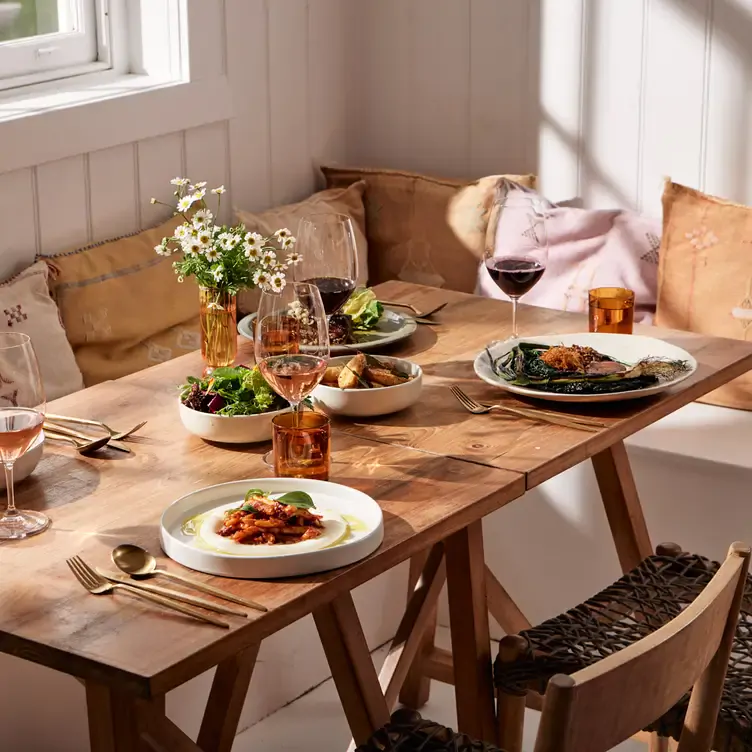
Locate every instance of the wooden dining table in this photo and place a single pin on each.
(435, 470)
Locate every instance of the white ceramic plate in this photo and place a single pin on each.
(627, 348)
(392, 327)
(365, 537)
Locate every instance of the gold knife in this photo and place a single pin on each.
(172, 594)
(83, 437)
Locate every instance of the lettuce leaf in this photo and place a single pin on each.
(363, 308)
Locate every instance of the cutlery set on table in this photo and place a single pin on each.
(56, 427)
(135, 564)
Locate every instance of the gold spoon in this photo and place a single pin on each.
(82, 447)
(117, 435)
(137, 562)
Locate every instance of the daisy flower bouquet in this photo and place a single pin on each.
(223, 260)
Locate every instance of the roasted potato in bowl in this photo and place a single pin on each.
(364, 386)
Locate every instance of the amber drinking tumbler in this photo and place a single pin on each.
(611, 310)
(302, 445)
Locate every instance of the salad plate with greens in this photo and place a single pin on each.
(271, 527)
(361, 323)
(232, 406)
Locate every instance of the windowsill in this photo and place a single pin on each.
(71, 120)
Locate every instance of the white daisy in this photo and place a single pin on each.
(181, 279)
(204, 237)
(214, 306)
(251, 253)
(287, 243)
(269, 258)
(152, 200)
(254, 240)
(226, 241)
(277, 282)
(219, 191)
(283, 233)
(261, 278)
(179, 181)
(198, 195)
(202, 217)
(212, 254)
(185, 203)
(181, 232)
(198, 186)
(218, 273)
(191, 247)
(294, 258)
(160, 250)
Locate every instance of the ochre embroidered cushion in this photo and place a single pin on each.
(347, 200)
(122, 306)
(705, 275)
(406, 224)
(26, 306)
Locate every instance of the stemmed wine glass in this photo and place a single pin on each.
(292, 341)
(22, 407)
(330, 257)
(518, 256)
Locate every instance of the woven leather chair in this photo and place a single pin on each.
(408, 732)
(633, 607)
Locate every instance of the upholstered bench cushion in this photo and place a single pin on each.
(122, 306)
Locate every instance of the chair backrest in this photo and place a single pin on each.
(596, 708)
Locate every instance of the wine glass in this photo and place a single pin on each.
(330, 257)
(292, 341)
(22, 407)
(517, 258)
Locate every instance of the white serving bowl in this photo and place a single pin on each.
(229, 429)
(368, 403)
(27, 462)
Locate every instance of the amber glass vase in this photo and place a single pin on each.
(219, 337)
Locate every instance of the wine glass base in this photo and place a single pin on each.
(23, 524)
(269, 459)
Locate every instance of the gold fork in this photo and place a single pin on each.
(116, 435)
(416, 312)
(97, 585)
(477, 409)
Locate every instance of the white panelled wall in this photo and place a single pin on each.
(286, 66)
(601, 98)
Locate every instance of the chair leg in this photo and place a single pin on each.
(510, 708)
(659, 743)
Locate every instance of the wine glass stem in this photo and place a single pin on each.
(297, 410)
(11, 509)
(514, 318)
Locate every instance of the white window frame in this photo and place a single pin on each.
(153, 93)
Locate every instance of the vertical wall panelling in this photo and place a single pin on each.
(379, 92)
(728, 169)
(673, 98)
(611, 67)
(560, 97)
(498, 87)
(159, 160)
(327, 80)
(440, 101)
(112, 191)
(206, 156)
(18, 238)
(292, 168)
(207, 60)
(63, 209)
(248, 70)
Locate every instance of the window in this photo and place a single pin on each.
(47, 39)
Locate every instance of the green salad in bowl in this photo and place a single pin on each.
(232, 405)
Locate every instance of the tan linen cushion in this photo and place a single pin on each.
(346, 200)
(705, 275)
(406, 224)
(122, 306)
(27, 307)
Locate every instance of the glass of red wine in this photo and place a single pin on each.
(22, 408)
(292, 341)
(519, 254)
(330, 257)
